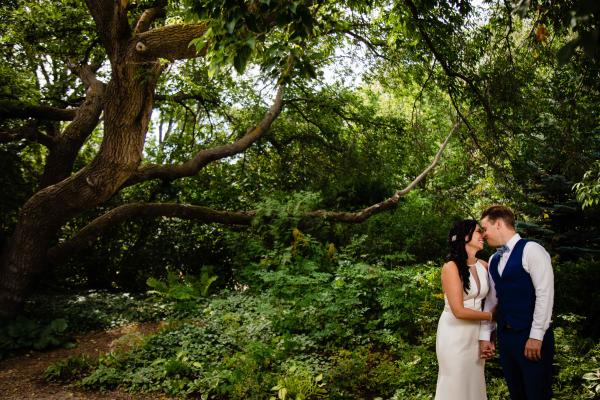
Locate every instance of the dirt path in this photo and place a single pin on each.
(20, 377)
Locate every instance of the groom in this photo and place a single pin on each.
(522, 287)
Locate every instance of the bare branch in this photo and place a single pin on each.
(28, 132)
(149, 15)
(16, 109)
(111, 22)
(61, 158)
(171, 42)
(87, 74)
(364, 214)
(88, 114)
(204, 157)
(86, 237)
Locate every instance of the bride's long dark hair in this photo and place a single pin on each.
(460, 231)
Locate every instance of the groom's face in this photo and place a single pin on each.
(491, 232)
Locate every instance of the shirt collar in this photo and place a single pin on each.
(513, 241)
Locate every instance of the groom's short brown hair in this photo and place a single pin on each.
(500, 212)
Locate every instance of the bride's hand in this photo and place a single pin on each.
(486, 349)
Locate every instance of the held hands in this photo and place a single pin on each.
(533, 349)
(486, 349)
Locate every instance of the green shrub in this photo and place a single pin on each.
(74, 367)
(308, 311)
(575, 357)
(102, 378)
(578, 277)
(593, 384)
(367, 373)
(185, 293)
(24, 333)
(299, 382)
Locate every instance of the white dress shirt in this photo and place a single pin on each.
(537, 263)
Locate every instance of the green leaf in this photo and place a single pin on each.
(231, 25)
(282, 393)
(59, 325)
(160, 286)
(241, 59)
(181, 292)
(251, 42)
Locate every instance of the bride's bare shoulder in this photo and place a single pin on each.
(449, 266)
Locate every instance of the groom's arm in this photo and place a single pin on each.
(537, 262)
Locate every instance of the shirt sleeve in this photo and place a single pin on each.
(487, 327)
(537, 262)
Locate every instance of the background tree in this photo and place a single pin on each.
(131, 46)
(128, 123)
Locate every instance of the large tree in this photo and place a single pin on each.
(96, 69)
(74, 74)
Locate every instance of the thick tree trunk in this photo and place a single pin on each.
(127, 106)
(127, 113)
(23, 257)
(59, 162)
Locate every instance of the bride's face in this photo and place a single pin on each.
(476, 240)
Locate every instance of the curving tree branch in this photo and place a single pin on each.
(365, 213)
(150, 15)
(204, 157)
(60, 159)
(86, 237)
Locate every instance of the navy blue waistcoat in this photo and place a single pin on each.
(514, 289)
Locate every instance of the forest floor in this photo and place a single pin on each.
(21, 376)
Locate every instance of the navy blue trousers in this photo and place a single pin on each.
(526, 380)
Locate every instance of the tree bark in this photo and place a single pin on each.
(16, 109)
(126, 104)
(64, 149)
(127, 109)
(88, 235)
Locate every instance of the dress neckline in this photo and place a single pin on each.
(475, 277)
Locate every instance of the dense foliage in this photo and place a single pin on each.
(312, 322)
(295, 307)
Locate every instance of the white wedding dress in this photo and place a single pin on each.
(461, 375)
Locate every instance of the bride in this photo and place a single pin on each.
(465, 284)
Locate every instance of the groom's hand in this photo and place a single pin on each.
(533, 349)
(486, 349)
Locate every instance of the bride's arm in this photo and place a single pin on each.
(453, 288)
